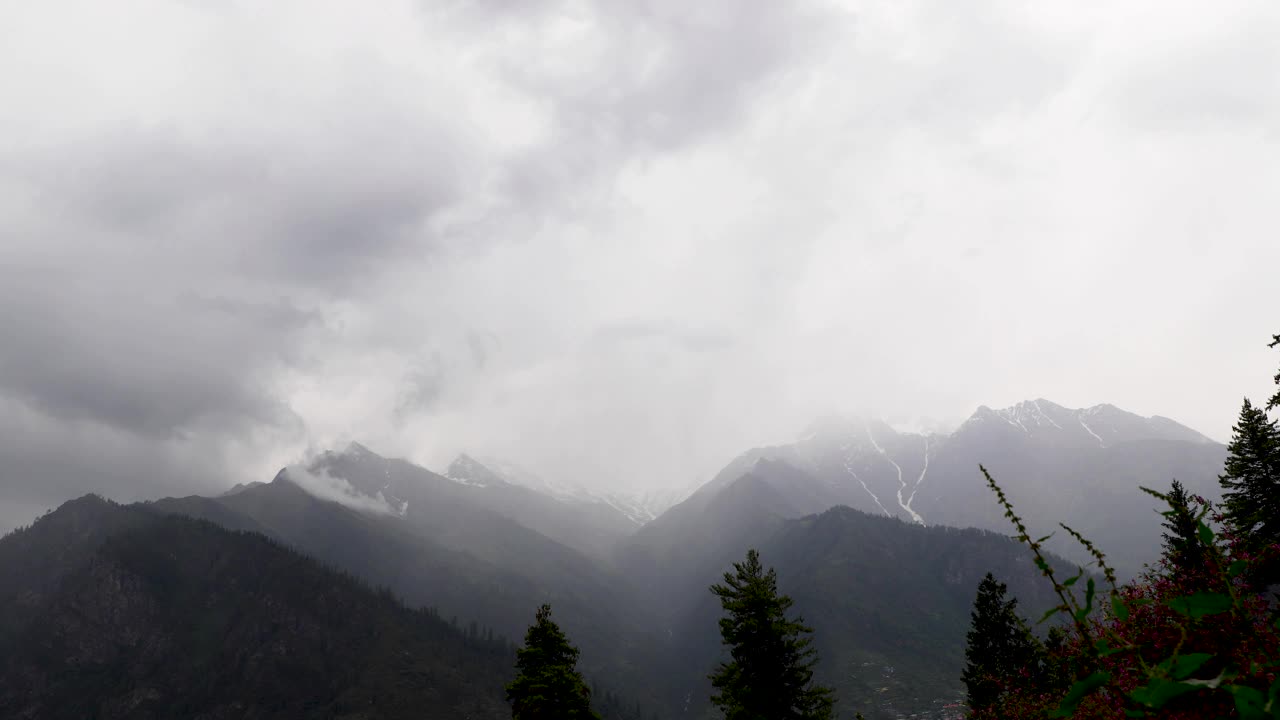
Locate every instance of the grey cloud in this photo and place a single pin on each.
(47, 461)
(422, 387)
(620, 335)
(321, 214)
(664, 75)
(171, 365)
(1224, 82)
(615, 242)
(325, 486)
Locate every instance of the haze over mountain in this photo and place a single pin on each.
(889, 639)
(638, 507)
(480, 547)
(861, 520)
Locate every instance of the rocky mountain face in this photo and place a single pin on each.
(123, 612)
(447, 501)
(1078, 466)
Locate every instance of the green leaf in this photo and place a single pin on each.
(1046, 537)
(1200, 604)
(1184, 665)
(1160, 691)
(1237, 567)
(1078, 692)
(1273, 699)
(1250, 703)
(1050, 613)
(1205, 533)
(1119, 608)
(1070, 581)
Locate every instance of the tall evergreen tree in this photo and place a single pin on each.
(998, 647)
(1182, 546)
(770, 675)
(1251, 479)
(548, 685)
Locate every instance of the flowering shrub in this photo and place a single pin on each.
(1181, 641)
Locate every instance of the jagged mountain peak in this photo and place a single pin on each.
(1101, 425)
(469, 471)
(355, 449)
(242, 486)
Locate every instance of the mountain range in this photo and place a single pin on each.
(1082, 467)
(860, 520)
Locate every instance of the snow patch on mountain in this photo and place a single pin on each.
(902, 484)
(848, 467)
(924, 470)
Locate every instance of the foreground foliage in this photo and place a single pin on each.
(1196, 636)
(1176, 643)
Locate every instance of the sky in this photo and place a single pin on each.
(615, 243)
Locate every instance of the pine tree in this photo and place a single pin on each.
(1251, 479)
(998, 647)
(1182, 546)
(770, 675)
(548, 685)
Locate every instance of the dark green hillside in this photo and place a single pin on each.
(141, 615)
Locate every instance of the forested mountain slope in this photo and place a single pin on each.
(889, 600)
(123, 612)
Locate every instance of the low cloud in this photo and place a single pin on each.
(326, 487)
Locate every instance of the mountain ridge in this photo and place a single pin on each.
(1082, 466)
